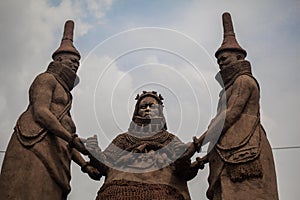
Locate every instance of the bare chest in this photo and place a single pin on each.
(60, 96)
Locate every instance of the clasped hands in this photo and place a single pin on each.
(194, 147)
(91, 148)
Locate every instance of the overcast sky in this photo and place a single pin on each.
(163, 45)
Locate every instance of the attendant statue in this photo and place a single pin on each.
(38, 157)
(240, 157)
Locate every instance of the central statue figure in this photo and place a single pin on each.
(146, 162)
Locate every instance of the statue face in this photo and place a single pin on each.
(148, 107)
(69, 60)
(227, 58)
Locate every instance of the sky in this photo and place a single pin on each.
(164, 45)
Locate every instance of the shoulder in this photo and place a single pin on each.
(43, 82)
(246, 81)
(173, 137)
(45, 78)
(170, 134)
(121, 137)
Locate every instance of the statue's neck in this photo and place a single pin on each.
(64, 73)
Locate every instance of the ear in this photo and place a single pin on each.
(239, 56)
(58, 58)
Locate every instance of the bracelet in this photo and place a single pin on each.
(195, 142)
(200, 163)
(84, 167)
(71, 141)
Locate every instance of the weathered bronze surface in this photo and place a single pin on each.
(241, 162)
(145, 162)
(38, 157)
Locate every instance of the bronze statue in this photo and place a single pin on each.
(241, 162)
(145, 162)
(38, 156)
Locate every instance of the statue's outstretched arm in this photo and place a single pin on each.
(193, 147)
(41, 93)
(241, 91)
(86, 167)
(97, 157)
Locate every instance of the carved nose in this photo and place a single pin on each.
(74, 68)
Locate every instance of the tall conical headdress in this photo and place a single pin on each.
(66, 45)
(229, 40)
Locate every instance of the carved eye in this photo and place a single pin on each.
(75, 61)
(222, 59)
(143, 106)
(154, 106)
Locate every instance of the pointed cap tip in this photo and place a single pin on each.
(229, 40)
(227, 24)
(226, 15)
(66, 45)
(68, 30)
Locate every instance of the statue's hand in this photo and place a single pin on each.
(162, 159)
(78, 144)
(92, 146)
(199, 141)
(91, 171)
(125, 159)
(200, 162)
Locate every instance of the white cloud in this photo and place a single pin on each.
(31, 31)
(102, 97)
(98, 7)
